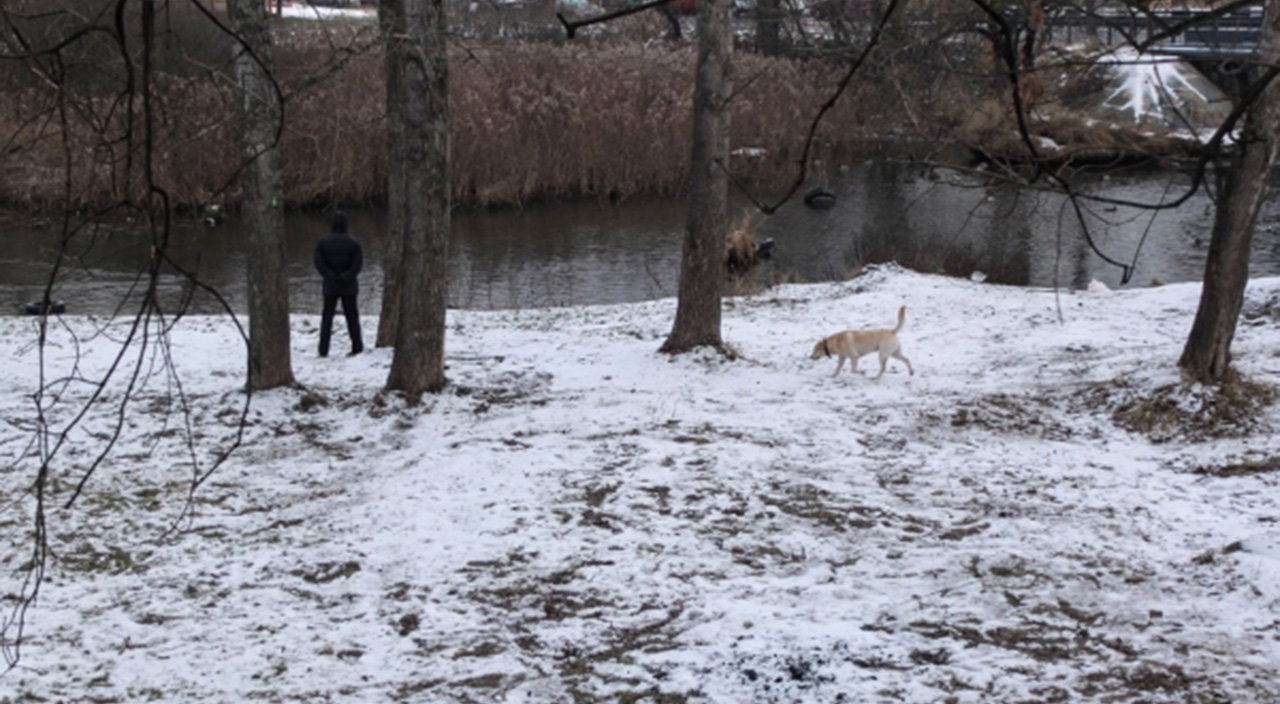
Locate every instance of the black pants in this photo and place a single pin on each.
(353, 322)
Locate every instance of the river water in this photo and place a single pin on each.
(590, 252)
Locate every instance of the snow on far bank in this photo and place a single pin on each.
(1146, 82)
(1155, 93)
(311, 12)
(580, 518)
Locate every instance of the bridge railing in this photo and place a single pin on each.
(1202, 33)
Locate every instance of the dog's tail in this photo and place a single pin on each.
(902, 316)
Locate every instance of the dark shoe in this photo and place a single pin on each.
(324, 354)
(353, 353)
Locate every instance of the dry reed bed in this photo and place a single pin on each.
(529, 121)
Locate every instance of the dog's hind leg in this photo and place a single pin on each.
(897, 354)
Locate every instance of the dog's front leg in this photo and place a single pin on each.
(884, 361)
(839, 366)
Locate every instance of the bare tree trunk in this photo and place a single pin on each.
(1207, 354)
(417, 97)
(702, 267)
(389, 321)
(768, 27)
(673, 20)
(263, 192)
(1091, 23)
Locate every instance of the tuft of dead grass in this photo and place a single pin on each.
(740, 248)
(1002, 413)
(1192, 411)
(1265, 465)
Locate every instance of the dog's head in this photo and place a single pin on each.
(821, 350)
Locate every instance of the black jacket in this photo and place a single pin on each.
(339, 258)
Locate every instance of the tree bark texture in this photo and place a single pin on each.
(417, 98)
(262, 186)
(769, 27)
(697, 319)
(389, 320)
(1207, 354)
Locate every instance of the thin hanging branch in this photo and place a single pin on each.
(571, 27)
(132, 121)
(803, 162)
(1006, 50)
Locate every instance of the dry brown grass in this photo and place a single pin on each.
(740, 248)
(94, 160)
(529, 121)
(1233, 408)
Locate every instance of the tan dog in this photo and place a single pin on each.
(852, 344)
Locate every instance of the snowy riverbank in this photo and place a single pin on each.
(580, 518)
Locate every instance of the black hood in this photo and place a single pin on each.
(339, 222)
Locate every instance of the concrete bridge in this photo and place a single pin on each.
(1222, 46)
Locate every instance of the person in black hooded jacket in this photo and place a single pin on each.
(339, 258)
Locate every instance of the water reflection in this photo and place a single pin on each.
(593, 252)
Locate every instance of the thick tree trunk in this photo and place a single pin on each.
(261, 182)
(702, 264)
(417, 97)
(389, 321)
(1207, 354)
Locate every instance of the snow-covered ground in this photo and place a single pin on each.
(581, 518)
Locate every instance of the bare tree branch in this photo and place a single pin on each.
(803, 162)
(571, 27)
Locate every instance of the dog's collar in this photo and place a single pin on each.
(825, 350)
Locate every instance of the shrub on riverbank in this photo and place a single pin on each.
(529, 121)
